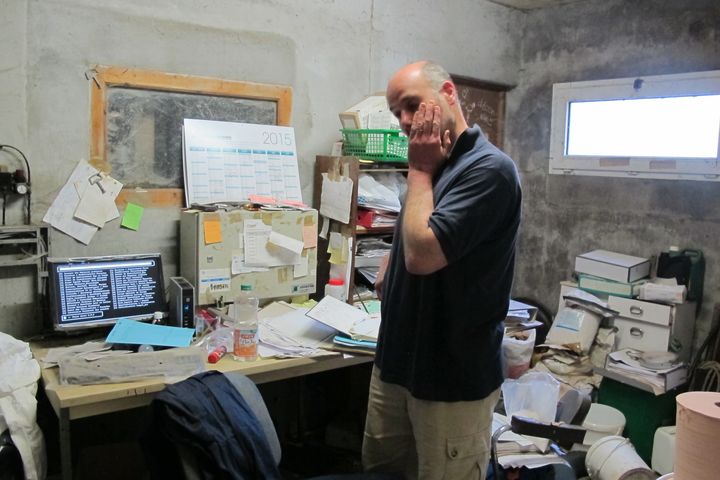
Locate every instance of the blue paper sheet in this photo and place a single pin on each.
(140, 333)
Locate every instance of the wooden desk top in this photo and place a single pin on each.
(88, 400)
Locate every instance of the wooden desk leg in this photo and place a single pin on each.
(65, 446)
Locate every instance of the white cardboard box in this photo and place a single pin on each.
(613, 266)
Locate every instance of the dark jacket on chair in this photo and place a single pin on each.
(206, 416)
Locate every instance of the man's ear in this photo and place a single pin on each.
(449, 91)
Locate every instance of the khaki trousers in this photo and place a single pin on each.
(423, 439)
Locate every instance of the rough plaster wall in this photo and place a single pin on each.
(565, 216)
(472, 38)
(331, 52)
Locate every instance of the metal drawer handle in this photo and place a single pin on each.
(636, 310)
(636, 332)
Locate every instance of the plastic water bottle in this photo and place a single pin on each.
(335, 288)
(244, 313)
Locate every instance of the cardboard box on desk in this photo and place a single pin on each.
(612, 266)
(221, 250)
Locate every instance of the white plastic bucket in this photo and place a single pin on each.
(614, 458)
(602, 421)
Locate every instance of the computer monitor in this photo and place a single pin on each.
(98, 291)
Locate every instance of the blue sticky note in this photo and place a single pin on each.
(140, 333)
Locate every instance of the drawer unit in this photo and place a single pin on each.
(643, 336)
(643, 311)
(649, 326)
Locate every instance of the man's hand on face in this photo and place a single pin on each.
(428, 148)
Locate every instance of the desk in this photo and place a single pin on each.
(71, 402)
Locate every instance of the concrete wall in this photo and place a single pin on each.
(331, 52)
(565, 216)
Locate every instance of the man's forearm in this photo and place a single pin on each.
(423, 254)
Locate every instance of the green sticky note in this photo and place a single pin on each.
(132, 216)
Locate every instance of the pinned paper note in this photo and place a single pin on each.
(338, 248)
(288, 243)
(310, 235)
(259, 251)
(336, 198)
(60, 214)
(132, 216)
(97, 199)
(212, 231)
(301, 268)
(238, 264)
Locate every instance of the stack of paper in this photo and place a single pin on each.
(628, 364)
(358, 328)
(521, 316)
(287, 332)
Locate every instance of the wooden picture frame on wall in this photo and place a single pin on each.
(483, 103)
(161, 98)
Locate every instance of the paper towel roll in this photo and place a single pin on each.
(698, 436)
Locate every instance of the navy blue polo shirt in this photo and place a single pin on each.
(441, 333)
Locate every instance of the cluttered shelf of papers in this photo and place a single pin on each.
(521, 316)
(657, 372)
(284, 330)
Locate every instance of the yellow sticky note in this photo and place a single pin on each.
(213, 232)
(335, 256)
(132, 216)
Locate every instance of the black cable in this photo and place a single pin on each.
(29, 184)
(4, 205)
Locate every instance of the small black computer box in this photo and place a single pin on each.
(182, 303)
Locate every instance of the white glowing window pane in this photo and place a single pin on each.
(676, 127)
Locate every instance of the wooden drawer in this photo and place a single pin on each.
(643, 336)
(644, 311)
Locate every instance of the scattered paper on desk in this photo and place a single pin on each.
(336, 198)
(140, 333)
(367, 328)
(60, 214)
(294, 329)
(337, 314)
(132, 216)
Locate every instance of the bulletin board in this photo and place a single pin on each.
(136, 123)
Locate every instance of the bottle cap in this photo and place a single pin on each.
(215, 355)
(336, 281)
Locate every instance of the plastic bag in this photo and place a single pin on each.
(533, 395)
(576, 324)
(517, 352)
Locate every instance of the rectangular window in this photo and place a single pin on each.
(665, 126)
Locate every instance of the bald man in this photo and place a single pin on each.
(445, 289)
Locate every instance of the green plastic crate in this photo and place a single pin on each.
(377, 145)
